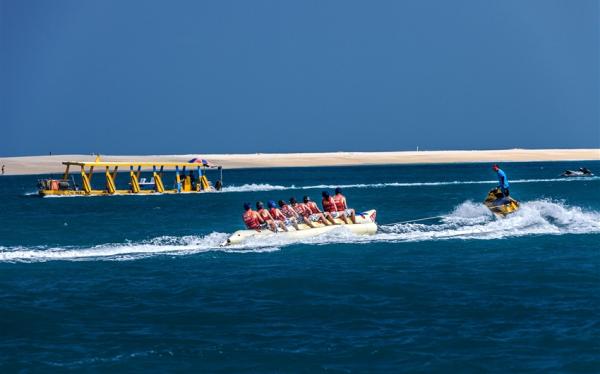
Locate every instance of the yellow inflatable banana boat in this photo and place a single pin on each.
(365, 225)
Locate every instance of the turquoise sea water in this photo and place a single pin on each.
(140, 283)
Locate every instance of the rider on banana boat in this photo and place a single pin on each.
(279, 216)
(342, 206)
(330, 207)
(314, 209)
(299, 212)
(289, 211)
(305, 212)
(267, 217)
(254, 221)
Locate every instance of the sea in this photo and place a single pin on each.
(141, 283)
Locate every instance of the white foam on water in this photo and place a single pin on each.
(254, 187)
(468, 221)
(164, 245)
(474, 221)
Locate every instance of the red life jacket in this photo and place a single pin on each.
(329, 205)
(276, 214)
(312, 206)
(251, 219)
(302, 210)
(264, 214)
(339, 200)
(287, 211)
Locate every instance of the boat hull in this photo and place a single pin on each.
(45, 193)
(365, 225)
(576, 174)
(499, 205)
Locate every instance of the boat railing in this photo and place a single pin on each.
(188, 177)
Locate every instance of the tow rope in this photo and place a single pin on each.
(420, 219)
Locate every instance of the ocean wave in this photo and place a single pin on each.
(468, 221)
(256, 187)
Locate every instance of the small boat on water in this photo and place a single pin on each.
(499, 204)
(365, 225)
(186, 177)
(582, 172)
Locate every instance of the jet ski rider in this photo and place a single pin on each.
(503, 184)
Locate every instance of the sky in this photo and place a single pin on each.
(194, 77)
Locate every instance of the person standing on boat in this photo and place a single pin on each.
(503, 184)
(193, 180)
(342, 206)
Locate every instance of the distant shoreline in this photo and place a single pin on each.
(53, 164)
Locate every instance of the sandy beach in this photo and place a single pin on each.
(53, 164)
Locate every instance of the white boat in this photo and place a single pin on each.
(582, 172)
(365, 225)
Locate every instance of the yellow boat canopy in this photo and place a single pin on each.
(135, 164)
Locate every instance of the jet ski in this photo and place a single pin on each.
(582, 172)
(365, 225)
(499, 204)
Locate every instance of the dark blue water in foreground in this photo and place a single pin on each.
(139, 282)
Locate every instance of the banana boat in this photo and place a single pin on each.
(365, 225)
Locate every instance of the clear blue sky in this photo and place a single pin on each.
(156, 77)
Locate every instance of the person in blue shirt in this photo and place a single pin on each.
(502, 180)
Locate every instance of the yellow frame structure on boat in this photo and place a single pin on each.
(183, 183)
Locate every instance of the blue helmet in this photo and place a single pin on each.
(271, 204)
(247, 206)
